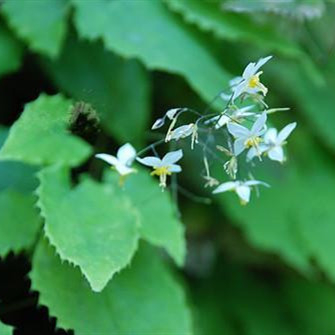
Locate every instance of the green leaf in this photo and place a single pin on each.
(208, 16)
(19, 221)
(41, 23)
(89, 225)
(40, 130)
(158, 39)
(5, 330)
(159, 223)
(10, 52)
(118, 89)
(311, 304)
(143, 299)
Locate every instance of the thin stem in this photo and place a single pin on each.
(194, 197)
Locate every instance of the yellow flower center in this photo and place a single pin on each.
(252, 142)
(161, 171)
(254, 81)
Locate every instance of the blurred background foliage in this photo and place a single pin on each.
(266, 268)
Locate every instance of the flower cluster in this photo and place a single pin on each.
(240, 131)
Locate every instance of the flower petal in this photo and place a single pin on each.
(259, 124)
(249, 70)
(239, 146)
(255, 182)
(237, 130)
(175, 168)
(285, 132)
(108, 158)
(261, 62)
(270, 136)
(172, 157)
(239, 89)
(126, 154)
(150, 161)
(243, 192)
(158, 123)
(172, 112)
(228, 186)
(276, 153)
(182, 132)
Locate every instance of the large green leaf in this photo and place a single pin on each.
(311, 304)
(143, 299)
(208, 16)
(118, 89)
(159, 223)
(158, 39)
(5, 330)
(89, 225)
(40, 135)
(294, 218)
(41, 23)
(19, 221)
(10, 52)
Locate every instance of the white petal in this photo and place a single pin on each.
(255, 182)
(150, 161)
(235, 81)
(261, 62)
(123, 169)
(270, 136)
(108, 158)
(172, 157)
(243, 110)
(285, 132)
(158, 123)
(237, 130)
(182, 132)
(126, 154)
(225, 97)
(172, 112)
(239, 89)
(276, 153)
(243, 192)
(259, 124)
(175, 168)
(252, 153)
(228, 186)
(249, 70)
(239, 146)
(224, 119)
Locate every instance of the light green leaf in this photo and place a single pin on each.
(41, 23)
(5, 330)
(118, 89)
(209, 16)
(40, 135)
(158, 39)
(19, 221)
(159, 223)
(89, 225)
(10, 52)
(143, 299)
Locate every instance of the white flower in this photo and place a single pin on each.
(123, 160)
(274, 142)
(163, 167)
(249, 82)
(236, 116)
(248, 138)
(241, 188)
(182, 132)
(171, 113)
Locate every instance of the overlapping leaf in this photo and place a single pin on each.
(118, 89)
(158, 39)
(159, 224)
(209, 17)
(40, 135)
(143, 299)
(5, 330)
(10, 52)
(89, 225)
(42, 24)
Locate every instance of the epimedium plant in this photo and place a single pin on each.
(242, 129)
